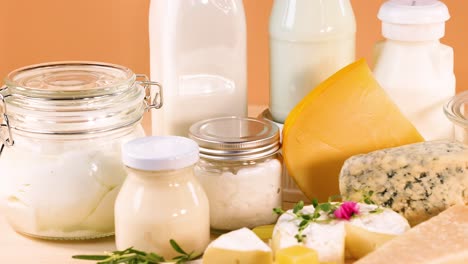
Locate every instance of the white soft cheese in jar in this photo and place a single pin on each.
(161, 199)
(60, 165)
(240, 169)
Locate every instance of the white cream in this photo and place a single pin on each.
(242, 198)
(154, 207)
(62, 189)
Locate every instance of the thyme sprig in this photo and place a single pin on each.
(321, 209)
(133, 256)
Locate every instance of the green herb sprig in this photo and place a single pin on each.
(133, 256)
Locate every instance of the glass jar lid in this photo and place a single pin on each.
(69, 98)
(69, 80)
(235, 138)
(456, 109)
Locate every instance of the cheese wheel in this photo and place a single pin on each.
(347, 114)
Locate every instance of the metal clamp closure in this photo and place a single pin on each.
(157, 101)
(5, 124)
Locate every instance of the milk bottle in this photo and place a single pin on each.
(198, 51)
(309, 41)
(413, 66)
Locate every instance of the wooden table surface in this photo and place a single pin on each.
(19, 249)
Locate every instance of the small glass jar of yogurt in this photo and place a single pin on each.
(63, 127)
(456, 110)
(161, 199)
(240, 169)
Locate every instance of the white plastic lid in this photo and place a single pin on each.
(413, 20)
(160, 153)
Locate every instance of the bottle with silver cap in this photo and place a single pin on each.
(240, 169)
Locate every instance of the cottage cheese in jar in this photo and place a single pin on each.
(60, 162)
(240, 169)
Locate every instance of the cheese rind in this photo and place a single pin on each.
(238, 247)
(440, 240)
(327, 237)
(347, 114)
(418, 180)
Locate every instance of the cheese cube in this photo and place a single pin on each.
(296, 255)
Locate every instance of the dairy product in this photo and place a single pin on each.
(62, 189)
(327, 236)
(440, 240)
(296, 255)
(328, 239)
(309, 41)
(348, 114)
(243, 196)
(198, 51)
(418, 180)
(240, 169)
(161, 200)
(412, 63)
(360, 242)
(238, 247)
(455, 112)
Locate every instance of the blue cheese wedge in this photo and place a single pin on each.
(418, 180)
(327, 235)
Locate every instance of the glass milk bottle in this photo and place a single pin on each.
(199, 48)
(309, 41)
(414, 68)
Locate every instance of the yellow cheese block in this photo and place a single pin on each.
(441, 240)
(347, 114)
(296, 255)
(264, 232)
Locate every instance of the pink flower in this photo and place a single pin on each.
(346, 210)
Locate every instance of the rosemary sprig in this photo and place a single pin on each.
(133, 256)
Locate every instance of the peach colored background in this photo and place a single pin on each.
(34, 31)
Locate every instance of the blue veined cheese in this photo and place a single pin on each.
(418, 180)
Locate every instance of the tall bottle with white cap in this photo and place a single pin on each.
(413, 66)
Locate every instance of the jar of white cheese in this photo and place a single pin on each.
(63, 126)
(240, 169)
(161, 198)
(456, 111)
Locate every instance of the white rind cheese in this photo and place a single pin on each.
(241, 246)
(441, 240)
(418, 180)
(328, 238)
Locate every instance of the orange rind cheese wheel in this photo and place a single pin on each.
(347, 114)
